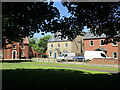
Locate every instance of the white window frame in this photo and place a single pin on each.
(66, 44)
(22, 54)
(116, 54)
(14, 47)
(114, 44)
(90, 42)
(101, 43)
(58, 45)
(52, 45)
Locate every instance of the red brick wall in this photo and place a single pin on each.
(8, 51)
(109, 47)
(25, 50)
(104, 61)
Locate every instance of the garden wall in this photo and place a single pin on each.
(105, 61)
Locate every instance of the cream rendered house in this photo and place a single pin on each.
(56, 46)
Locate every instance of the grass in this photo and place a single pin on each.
(75, 65)
(33, 75)
(34, 65)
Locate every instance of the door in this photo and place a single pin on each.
(54, 55)
(14, 53)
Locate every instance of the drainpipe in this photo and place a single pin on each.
(18, 50)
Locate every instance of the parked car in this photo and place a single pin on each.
(80, 59)
(65, 56)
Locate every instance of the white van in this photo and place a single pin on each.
(66, 56)
(95, 54)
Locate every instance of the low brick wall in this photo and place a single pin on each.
(105, 61)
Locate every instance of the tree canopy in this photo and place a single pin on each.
(26, 18)
(20, 19)
(41, 45)
(100, 17)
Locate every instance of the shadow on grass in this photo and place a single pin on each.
(56, 78)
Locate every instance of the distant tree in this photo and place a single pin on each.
(42, 43)
(32, 40)
(39, 45)
(33, 43)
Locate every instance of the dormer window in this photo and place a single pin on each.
(14, 46)
(115, 43)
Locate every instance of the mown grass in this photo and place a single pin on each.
(32, 75)
(34, 65)
(75, 65)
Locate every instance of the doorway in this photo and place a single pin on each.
(14, 54)
(54, 55)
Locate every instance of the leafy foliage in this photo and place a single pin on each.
(99, 17)
(26, 18)
(41, 45)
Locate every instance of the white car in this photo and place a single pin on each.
(66, 56)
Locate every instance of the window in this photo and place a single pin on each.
(103, 55)
(91, 43)
(58, 45)
(14, 47)
(101, 42)
(115, 43)
(115, 55)
(22, 46)
(22, 53)
(65, 55)
(51, 45)
(66, 44)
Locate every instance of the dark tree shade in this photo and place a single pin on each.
(26, 18)
(100, 17)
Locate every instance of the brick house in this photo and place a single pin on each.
(56, 45)
(18, 50)
(94, 43)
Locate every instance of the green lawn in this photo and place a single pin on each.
(33, 75)
(75, 65)
(34, 65)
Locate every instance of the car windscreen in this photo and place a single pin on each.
(103, 55)
(65, 55)
(61, 55)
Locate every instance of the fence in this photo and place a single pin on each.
(115, 63)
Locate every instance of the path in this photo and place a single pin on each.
(110, 71)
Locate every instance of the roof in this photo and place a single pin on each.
(56, 38)
(25, 40)
(89, 35)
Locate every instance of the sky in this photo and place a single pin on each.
(63, 12)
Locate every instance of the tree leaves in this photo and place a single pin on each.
(41, 44)
(100, 17)
(26, 18)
